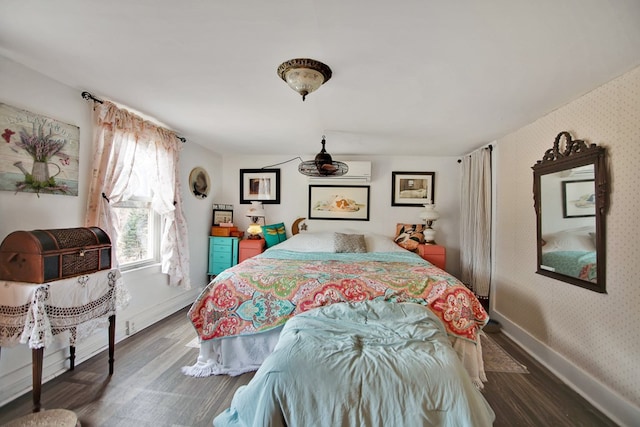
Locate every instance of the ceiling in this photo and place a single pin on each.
(413, 77)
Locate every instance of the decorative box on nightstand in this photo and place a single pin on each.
(435, 254)
(250, 248)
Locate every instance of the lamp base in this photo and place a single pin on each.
(429, 235)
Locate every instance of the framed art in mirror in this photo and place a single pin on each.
(570, 192)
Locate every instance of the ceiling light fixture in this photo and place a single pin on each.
(323, 165)
(304, 75)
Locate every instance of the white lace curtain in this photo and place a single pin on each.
(475, 221)
(125, 145)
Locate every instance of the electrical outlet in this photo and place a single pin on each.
(132, 327)
(127, 329)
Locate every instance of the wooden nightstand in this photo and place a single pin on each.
(435, 254)
(250, 248)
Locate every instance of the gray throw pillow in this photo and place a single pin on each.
(349, 243)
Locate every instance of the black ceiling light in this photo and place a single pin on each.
(323, 165)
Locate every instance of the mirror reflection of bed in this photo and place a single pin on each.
(569, 241)
(570, 193)
(343, 328)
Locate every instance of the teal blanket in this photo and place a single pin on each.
(580, 264)
(369, 363)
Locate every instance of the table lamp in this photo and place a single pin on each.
(429, 215)
(255, 212)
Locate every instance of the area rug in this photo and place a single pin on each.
(496, 359)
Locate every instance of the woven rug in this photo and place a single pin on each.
(496, 359)
(194, 343)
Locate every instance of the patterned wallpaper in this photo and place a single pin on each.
(596, 332)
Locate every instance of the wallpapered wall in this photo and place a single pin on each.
(596, 332)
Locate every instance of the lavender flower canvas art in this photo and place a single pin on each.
(37, 154)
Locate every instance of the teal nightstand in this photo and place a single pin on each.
(223, 253)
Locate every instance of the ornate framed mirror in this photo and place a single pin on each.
(570, 194)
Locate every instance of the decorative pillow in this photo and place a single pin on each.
(409, 236)
(274, 234)
(349, 243)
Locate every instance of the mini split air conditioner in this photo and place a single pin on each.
(359, 173)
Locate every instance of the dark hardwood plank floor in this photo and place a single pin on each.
(148, 389)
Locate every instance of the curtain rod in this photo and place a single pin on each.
(488, 147)
(87, 96)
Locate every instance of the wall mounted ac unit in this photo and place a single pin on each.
(359, 173)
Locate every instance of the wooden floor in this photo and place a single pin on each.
(148, 389)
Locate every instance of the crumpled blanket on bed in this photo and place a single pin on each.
(264, 292)
(360, 364)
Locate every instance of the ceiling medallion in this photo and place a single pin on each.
(304, 75)
(323, 165)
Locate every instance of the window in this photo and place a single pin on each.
(138, 233)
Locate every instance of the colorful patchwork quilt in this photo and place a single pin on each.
(265, 291)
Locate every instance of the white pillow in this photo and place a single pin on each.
(309, 242)
(323, 241)
(380, 243)
(569, 240)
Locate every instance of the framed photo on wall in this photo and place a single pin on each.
(412, 188)
(578, 198)
(261, 185)
(221, 216)
(348, 203)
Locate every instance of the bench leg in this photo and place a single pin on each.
(72, 357)
(37, 355)
(112, 341)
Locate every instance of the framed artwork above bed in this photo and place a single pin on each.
(412, 188)
(348, 203)
(260, 185)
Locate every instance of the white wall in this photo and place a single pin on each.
(383, 217)
(589, 339)
(152, 298)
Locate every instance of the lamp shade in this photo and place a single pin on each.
(256, 210)
(429, 214)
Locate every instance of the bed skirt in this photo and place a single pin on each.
(245, 353)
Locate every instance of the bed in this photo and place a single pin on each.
(239, 316)
(571, 252)
(370, 363)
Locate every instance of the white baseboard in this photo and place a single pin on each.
(599, 395)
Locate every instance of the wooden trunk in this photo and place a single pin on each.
(41, 256)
